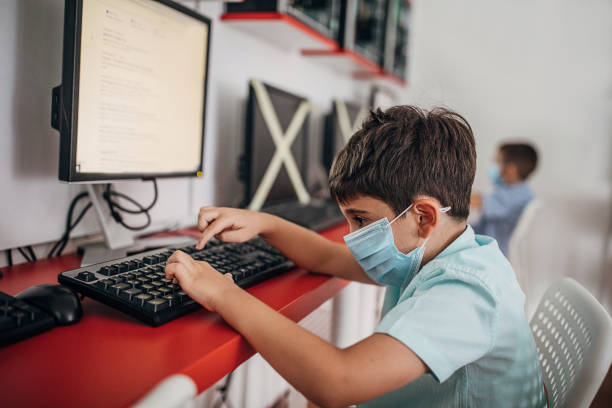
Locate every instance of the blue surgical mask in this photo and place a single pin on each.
(494, 173)
(374, 249)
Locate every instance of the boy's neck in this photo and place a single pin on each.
(442, 238)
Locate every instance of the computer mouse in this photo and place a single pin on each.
(58, 301)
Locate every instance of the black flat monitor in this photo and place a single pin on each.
(133, 96)
(259, 146)
(333, 138)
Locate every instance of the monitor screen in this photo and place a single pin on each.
(260, 147)
(334, 138)
(137, 86)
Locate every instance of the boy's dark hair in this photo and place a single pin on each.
(522, 155)
(405, 152)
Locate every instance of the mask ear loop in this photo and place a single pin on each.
(442, 210)
(402, 213)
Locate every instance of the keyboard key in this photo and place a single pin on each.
(142, 298)
(143, 279)
(182, 296)
(105, 284)
(116, 288)
(122, 267)
(155, 305)
(157, 284)
(165, 290)
(7, 322)
(148, 260)
(5, 309)
(132, 282)
(20, 317)
(118, 279)
(147, 287)
(172, 301)
(128, 276)
(129, 294)
(154, 293)
(133, 265)
(86, 276)
(105, 270)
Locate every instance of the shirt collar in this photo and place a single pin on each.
(467, 239)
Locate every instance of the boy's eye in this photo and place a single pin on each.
(359, 220)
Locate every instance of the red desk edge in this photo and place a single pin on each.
(111, 359)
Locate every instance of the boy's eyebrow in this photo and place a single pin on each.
(355, 211)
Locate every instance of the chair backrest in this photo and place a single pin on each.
(516, 254)
(573, 333)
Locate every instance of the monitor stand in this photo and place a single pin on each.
(118, 241)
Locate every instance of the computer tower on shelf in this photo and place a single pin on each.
(397, 26)
(322, 16)
(362, 28)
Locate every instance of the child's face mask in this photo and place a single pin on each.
(374, 249)
(494, 173)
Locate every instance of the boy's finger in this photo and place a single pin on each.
(206, 217)
(213, 229)
(176, 270)
(238, 235)
(177, 256)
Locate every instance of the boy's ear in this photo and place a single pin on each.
(427, 213)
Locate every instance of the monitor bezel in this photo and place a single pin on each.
(250, 184)
(68, 100)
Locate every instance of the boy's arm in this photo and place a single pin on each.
(497, 205)
(325, 374)
(303, 246)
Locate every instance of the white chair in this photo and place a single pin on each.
(573, 333)
(518, 241)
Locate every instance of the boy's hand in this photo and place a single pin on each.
(476, 201)
(199, 280)
(229, 224)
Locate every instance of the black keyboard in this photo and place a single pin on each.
(137, 284)
(20, 320)
(316, 215)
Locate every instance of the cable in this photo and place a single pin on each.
(24, 255)
(31, 251)
(114, 206)
(9, 257)
(59, 246)
(72, 226)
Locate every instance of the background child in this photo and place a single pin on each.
(453, 331)
(500, 210)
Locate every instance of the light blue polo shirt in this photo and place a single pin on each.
(463, 315)
(501, 211)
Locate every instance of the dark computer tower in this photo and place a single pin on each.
(397, 25)
(322, 16)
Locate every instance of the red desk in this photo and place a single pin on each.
(109, 359)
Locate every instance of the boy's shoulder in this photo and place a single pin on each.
(516, 192)
(471, 259)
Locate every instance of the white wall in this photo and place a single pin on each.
(537, 70)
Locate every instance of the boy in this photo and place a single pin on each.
(453, 331)
(501, 210)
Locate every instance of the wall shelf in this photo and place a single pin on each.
(380, 75)
(291, 34)
(280, 29)
(343, 61)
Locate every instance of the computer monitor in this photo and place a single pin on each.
(133, 95)
(344, 119)
(260, 147)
